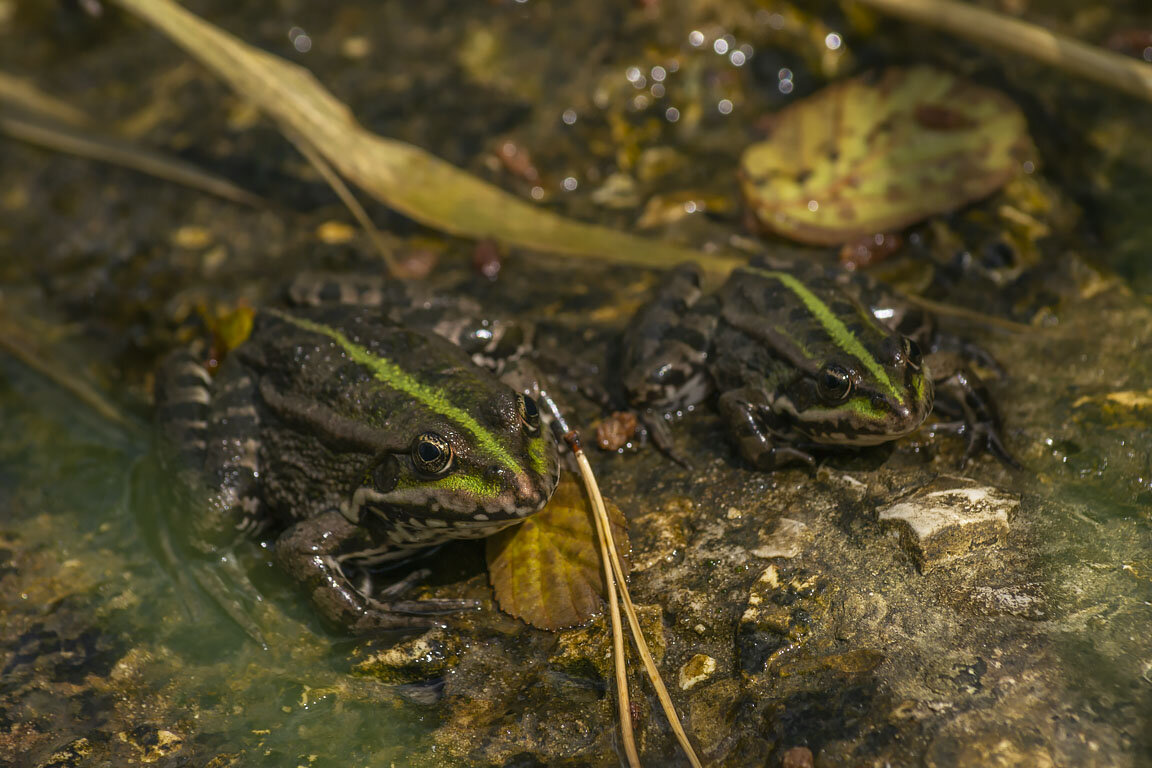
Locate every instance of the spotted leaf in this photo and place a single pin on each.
(874, 154)
(547, 570)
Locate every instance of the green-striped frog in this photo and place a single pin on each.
(800, 358)
(349, 439)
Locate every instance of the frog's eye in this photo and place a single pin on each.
(833, 383)
(912, 354)
(529, 413)
(431, 453)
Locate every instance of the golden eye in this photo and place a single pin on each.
(833, 383)
(529, 413)
(431, 453)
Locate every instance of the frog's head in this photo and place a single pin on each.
(402, 426)
(882, 393)
(463, 472)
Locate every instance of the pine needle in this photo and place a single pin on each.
(608, 552)
(630, 611)
(625, 710)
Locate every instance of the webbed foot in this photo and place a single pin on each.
(963, 395)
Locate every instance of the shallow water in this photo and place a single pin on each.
(1034, 651)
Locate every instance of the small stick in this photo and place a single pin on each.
(12, 341)
(951, 310)
(1009, 34)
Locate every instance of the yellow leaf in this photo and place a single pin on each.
(547, 570)
(872, 155)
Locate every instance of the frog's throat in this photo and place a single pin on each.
(834, 327)
(392, 375)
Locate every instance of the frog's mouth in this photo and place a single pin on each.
(430, 507)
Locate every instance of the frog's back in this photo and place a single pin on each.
(801, 313)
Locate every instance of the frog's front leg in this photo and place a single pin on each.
(748, 415)
(313, 551)
(962, 394)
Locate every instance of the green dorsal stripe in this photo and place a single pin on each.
(833, 326)
(395, 377)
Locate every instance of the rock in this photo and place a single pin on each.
(782, 606)
(587, 652)
(415, 660)
(783, 540)
(950, 517)
(696, 670)
(797, 757)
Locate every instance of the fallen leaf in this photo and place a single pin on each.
(547, 570)
(872, 155)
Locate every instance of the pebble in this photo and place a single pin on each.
(696, 670)
(949, 518)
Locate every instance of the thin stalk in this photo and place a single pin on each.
(23, 94)
(350, 202)
(627, 736)
(1009, 34)
(630, 611)
(951, 310)
(11, 341)
(82, 142)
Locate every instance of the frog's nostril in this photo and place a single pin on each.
(495, 474)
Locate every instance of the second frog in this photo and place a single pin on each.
(801, 358)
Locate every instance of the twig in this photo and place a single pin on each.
(1009, 34)
(25, 95)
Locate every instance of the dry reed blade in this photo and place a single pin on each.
(405, 177)
(1009, 34)
(106, 149)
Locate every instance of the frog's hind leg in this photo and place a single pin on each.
(208, 428)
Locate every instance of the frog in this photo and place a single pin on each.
(802, 358)
(349, 440)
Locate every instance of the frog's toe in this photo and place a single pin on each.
(229, 588)
(381, 622)
(985, 437)
(382, 617)
(433, 606)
